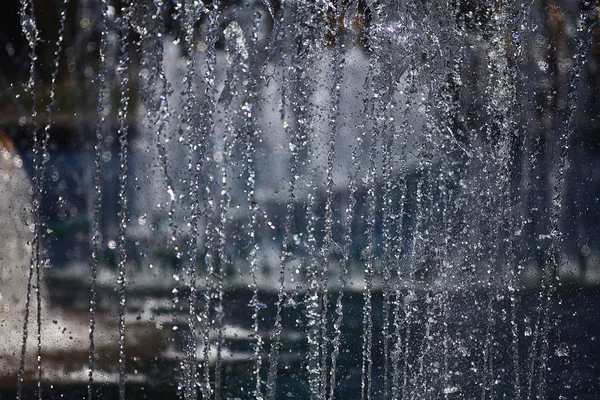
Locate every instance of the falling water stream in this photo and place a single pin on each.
(308, 200)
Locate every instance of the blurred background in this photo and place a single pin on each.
(509, 81)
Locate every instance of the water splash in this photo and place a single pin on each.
(438, 177)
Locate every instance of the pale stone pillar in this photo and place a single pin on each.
(15, 249)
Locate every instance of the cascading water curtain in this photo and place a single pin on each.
(312, 200)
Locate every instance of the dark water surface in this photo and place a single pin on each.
(573, 343)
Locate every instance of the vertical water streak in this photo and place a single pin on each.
(123, 131)
(338, 73)
(413, 257)
(386, 258)
(209, 262)
(498, 109)
(223, 263)
(236, 57)
(208, 130)
(160, 118)
(524, 25)
(405, 129)
(512, 278)
(448, 199)
(535, 149)
(40, 185)
(538, 353)
(550, 273)
(444, 298)
(388, 219)
(348, 235)
(428, 244)
(87, 101)
(409, 307)
(532, 356)
(497, 131)
(313, 305)
(316, 261)
(421, 268)
(195, 145)
(396, 352)
(375, 106)
(369, 253)
(314, 292)
(487, 351)
(286, 256)
(103, 99)
(30, 31)
(239, 77)
(276, 30)
(490, 204)
(519, 29)
(335, 94)
(52, 90)
(251, 135)
(286, 252)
